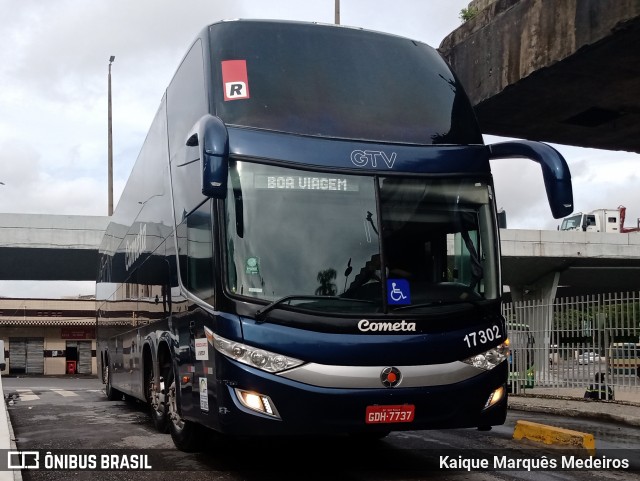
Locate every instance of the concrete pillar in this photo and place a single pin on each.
(535, 308)
(544, 288)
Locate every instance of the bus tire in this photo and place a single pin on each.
(112, 393)
(186, 435)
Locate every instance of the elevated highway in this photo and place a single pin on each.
(565, 72)
(544, 264)
(50, 247)
(535, 264)
(561, 71)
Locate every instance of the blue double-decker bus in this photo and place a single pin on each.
(308, 242)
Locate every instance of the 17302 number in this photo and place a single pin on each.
(482, 336)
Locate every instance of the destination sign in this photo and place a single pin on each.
(300, 182)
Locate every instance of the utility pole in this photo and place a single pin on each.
(110, 143)
(337, 12)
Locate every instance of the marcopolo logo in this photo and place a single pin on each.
(390, 376)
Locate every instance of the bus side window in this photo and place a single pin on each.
(199, 279)
(186, 103)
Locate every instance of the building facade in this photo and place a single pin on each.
(49, 336)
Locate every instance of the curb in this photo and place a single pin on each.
(542, 433)
(620, 412)
(576, 413)
(7, 439)
(560, 397)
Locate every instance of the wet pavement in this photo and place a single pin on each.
(566, 402)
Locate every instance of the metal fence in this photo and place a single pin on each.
(568, 343)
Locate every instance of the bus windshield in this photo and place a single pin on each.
(338, 82)
(296, 233)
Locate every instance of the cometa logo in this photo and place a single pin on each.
(383, 326)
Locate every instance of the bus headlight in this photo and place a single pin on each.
(489, 359)
(254, 357)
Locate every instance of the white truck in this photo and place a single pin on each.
(599, 220)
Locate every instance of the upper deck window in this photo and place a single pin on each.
(332, 81)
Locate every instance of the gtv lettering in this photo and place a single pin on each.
(362, 158)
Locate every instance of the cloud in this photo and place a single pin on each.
(601, 179)
(53, 73)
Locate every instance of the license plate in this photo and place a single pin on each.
(401, 413)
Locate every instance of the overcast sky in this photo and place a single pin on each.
(53, 102)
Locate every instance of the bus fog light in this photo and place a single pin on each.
(495, 397)
(257, 402)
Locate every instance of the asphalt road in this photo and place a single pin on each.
(71, 416)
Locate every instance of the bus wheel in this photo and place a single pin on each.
(112, 393)
(185, 434)
(157, 400)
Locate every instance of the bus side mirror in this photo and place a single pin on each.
(555, 171)
(211, 136)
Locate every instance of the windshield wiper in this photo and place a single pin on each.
(438, 303)
(262, 313)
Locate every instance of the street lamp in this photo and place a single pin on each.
(337, 12)
(110, 142)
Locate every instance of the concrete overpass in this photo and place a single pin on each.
(50, 247)
(561, 71)
(536, 264)
(541, 264)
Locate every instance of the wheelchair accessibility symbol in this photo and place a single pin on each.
(398, 291)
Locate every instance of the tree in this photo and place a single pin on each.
(327, 286)
(468, 13)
